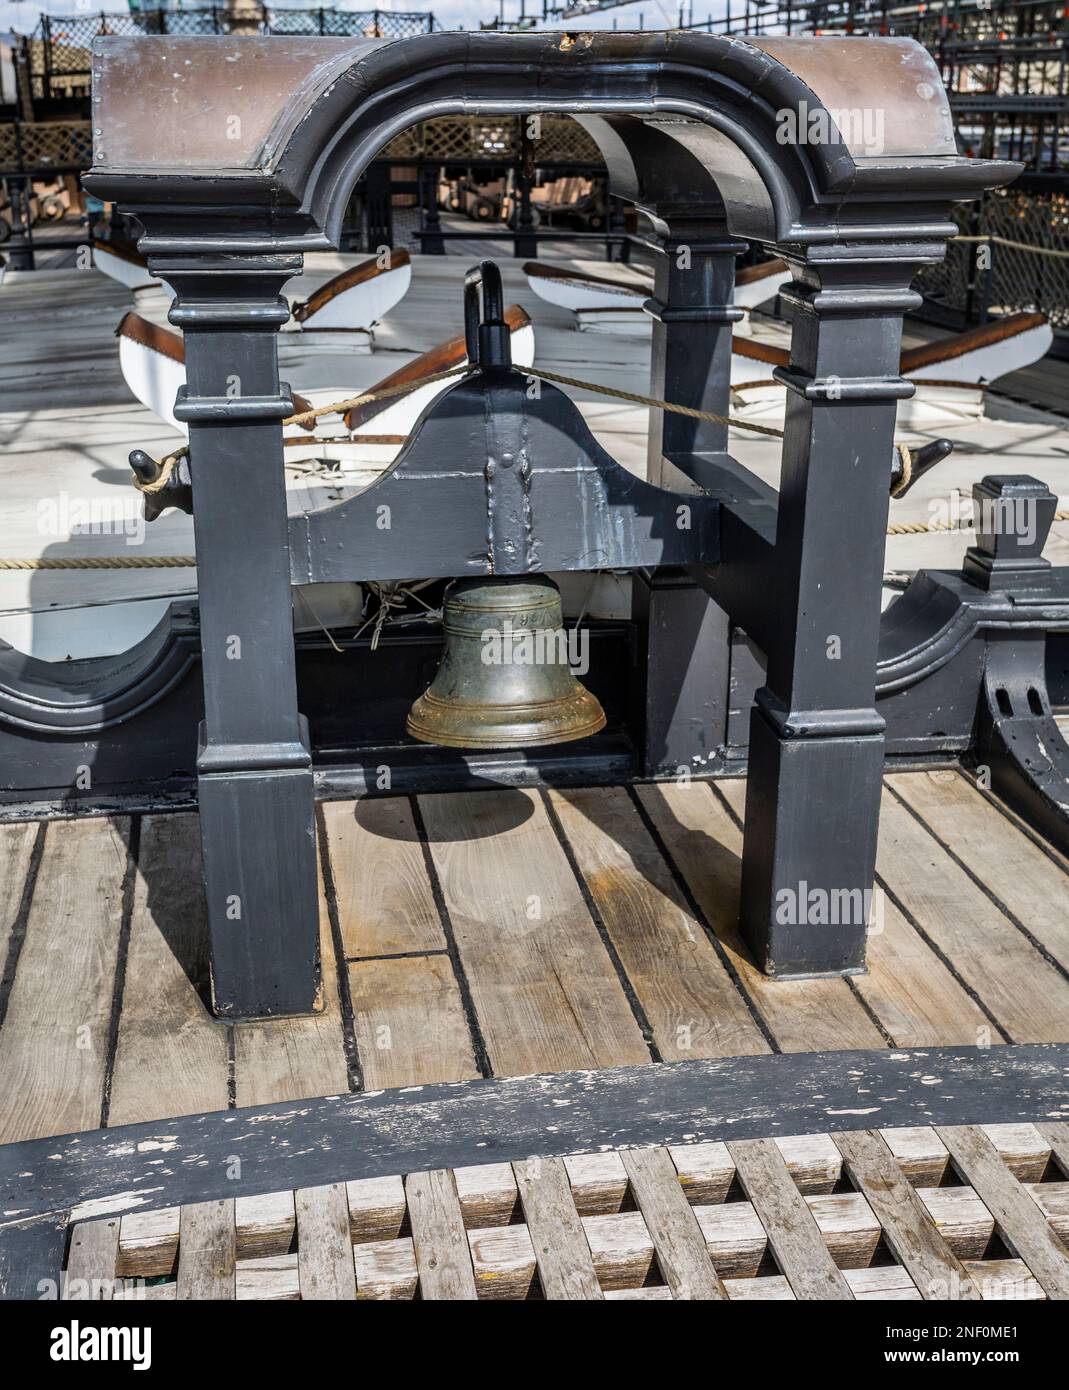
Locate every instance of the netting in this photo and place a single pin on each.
(60, 48)
(459, 139)
(988, 276)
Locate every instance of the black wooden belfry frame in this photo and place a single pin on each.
(238, 156)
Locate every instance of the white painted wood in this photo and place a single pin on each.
(362, 306)
(566, 292)
(989, 363)
(133, 275)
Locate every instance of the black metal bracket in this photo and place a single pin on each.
(501, 476)
(1018, 738)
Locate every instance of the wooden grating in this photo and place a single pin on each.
(907, 1214)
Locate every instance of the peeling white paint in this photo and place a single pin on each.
(104, 1206)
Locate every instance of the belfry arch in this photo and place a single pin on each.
(248, 161)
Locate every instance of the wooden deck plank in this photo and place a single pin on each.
(292, 1058)
(268, 1278)
(791, 1226)
(677, 1238)
(207, 1250)
(384, 898)
(562, 1251)
(907, 1227)
(688, 996)
(324, 1246)
(705, 843)
(1017, 871)
(1027, 995)
(1021, 1224)
(16, 851)
(170, 1050)
(54, 1042)
(916, 998)
(92, 1262)
(438, 1237)
(544, 988)
(386, 1270)
(265, 1224)
(410, 1023)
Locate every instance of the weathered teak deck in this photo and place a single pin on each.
(906, 1214)
(504, 933)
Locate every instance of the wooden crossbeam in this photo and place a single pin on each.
(800, 1250)
(1021, 1222)
(907, 1224)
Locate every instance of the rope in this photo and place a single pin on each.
(738, 387)
(917, 528)
(1016, 245)
(907, 470)
(102, 562)
(650, 401)
(156, 562)
(167, 467)
(122, 562)
(340, 407)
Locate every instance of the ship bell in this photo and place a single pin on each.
(505, 679)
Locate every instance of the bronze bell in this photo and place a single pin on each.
(504, 680)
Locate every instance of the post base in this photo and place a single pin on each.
(809, 854)
(258, 833)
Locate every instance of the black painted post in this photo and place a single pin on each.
(254, 762)
(524, 241)
(680, 712)
(816, 740)
(683, 671)
(379, 205)
(433, 243)
(690, 363)
(617, 246)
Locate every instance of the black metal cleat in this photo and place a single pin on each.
(162, 484)
(907, 465)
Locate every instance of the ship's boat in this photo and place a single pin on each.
(604, 304)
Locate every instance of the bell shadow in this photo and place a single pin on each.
(508, 810)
